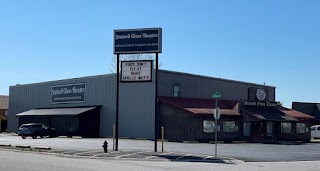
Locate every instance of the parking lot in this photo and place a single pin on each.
(144, 149)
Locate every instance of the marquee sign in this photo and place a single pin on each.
(130, 41)
(136, 71)
(70, 93)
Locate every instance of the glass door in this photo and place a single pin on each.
(269, 129)
(246, 129)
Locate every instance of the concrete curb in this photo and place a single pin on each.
(42, 148)
(23, 146)
(314, 141)
(191, 142)
(77, 137)
(219, 142)
(239, 142)
(160, 140)
(5, 145)
(123, 137)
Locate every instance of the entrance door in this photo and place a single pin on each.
(246, 129)
(59, 124)
(269, 130)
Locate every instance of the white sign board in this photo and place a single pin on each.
(136, 71)
(216, 113)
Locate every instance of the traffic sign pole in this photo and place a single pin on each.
(216, 130)
(216, 114)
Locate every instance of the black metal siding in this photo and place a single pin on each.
(195, 86)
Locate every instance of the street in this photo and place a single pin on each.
(30, 161)
(249, 152)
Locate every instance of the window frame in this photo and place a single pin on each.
(283, 130)
(178, 92)
(301, 130)
(229, 130)
(208, 130)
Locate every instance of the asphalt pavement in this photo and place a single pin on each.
(173, 151)
(31, 161)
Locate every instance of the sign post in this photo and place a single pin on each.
(133, 41)
(216, 115)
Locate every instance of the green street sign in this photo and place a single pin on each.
(216, 95)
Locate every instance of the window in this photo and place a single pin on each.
(229, 126)
(301, 128)
(176, 91)
(285, 127)
(208, 126)
(269, 129)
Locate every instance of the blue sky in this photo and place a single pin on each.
(276, 42)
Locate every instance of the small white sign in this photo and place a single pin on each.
(216, 113)
(132, 71)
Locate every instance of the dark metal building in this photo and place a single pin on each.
(191, 119)
(4, 101)
(137, 106)
(312, 109)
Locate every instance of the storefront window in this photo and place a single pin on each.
(229, 126)
(208, 126)
(285, 127)
(176, 91)
(301, 128)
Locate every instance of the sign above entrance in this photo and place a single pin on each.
(136, 71)
(130, 41)
(259, 103)
(70, 93)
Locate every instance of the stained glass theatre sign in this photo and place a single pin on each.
(131, 41)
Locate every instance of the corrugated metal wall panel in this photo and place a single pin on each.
(136, 110)
(194, 86)
(99, 91)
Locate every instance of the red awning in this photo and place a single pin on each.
(202, 106)
(295, 114)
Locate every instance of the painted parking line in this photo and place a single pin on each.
(150, 157)
(114, 152)
(307, 152)
(209, 157)
(165, 154)
(69, 153)
(183, 156)
(118, 157)
(97, 155)
(87, 152)
(140, 154)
